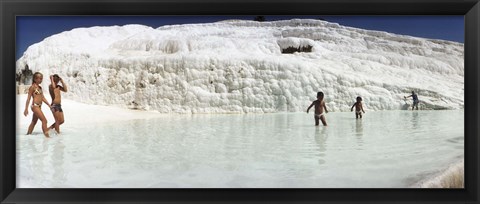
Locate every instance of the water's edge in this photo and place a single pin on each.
(449, 177)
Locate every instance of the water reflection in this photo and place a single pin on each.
(359, 128)
(58, 160)
(415, 120)
(38, 158)
(321, 136)
(359, 132)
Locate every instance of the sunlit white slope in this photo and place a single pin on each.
(238, 66)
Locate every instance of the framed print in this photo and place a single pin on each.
(272, 101)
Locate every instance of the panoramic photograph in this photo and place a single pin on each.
(240, 102)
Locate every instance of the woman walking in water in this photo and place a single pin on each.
(56, 107)
(35, 92)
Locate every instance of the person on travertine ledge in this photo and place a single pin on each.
(415, 100)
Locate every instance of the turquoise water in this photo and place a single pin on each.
(385, 149)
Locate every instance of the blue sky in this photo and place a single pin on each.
(33, 29)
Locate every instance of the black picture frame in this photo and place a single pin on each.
(9, 9)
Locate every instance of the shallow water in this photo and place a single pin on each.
(384, 149)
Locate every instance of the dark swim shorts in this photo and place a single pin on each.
(57, 107)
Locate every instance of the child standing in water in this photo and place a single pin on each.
(56, 107)
(35, 92)
(319, 106)
(358, 107)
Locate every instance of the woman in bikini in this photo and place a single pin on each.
(56, 107)
(35, 92)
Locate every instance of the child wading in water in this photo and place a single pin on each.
(358, 107)
(56, 107)
(319, 106)
(35, 92)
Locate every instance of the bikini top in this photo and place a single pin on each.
(37, 90)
